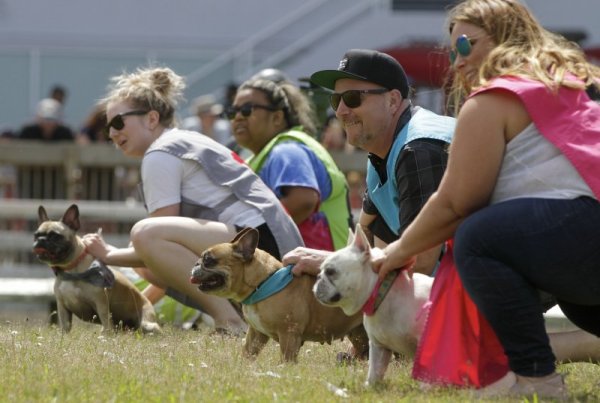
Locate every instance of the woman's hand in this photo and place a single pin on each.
(305, 260)
(392, 259)
(97, 247)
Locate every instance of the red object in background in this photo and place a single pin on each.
(593, 54)
(425, 64)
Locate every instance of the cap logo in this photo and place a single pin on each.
(343, 64)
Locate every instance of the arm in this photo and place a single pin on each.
(290, 173)
(110, 254)
(475, 159)
(365, 219)
(300, 202)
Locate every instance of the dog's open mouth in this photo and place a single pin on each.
(208, 281)
(44, 254)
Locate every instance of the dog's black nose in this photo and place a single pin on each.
(336, 297)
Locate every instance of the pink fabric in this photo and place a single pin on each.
(570, 120)
(458, 347)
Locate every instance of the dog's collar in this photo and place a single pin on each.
(97, 274)
(379, 292)
(74, 263)
(272, 285)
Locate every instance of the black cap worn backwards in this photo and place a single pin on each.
(366, 65)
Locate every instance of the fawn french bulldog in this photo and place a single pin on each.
(394, 323)
(84, 286)
(291, 316)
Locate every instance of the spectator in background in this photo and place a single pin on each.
(93, 128)
(47, 125)
(229, 95)
(333, 135)
(207, 119)
(59, 93)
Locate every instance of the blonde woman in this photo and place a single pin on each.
(197, 193)
(520, 194)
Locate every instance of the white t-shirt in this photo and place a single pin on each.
(168, 180)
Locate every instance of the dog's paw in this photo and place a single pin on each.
(151, 328)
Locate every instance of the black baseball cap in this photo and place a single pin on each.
(366, 65)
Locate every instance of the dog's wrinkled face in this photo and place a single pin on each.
(343, 275)
(209, 274)
(54, 241)
(221, 268)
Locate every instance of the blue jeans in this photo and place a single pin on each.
(508, 251)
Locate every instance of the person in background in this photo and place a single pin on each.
(59, 93)
(520, 195)
(47, 124)
(333, 136)
(275, 121)
(93, 128)
(207, 119)
(197, 192)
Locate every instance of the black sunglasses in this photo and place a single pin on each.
(246, 110)
(464, 46)
(117, 121)
(352, 98)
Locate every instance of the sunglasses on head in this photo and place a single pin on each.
(463, 47)
(246, 110)
(117, 121)
(352, 98)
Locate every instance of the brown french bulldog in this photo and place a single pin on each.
(84, 286)
(291, 316)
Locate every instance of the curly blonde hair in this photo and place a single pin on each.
(523, 48)
(154, 88)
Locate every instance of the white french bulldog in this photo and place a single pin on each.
(347, 280)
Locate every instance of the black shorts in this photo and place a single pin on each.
(266, 240)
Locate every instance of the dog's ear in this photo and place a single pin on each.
(240, 234)
(42, 215)
(361, 242)
(245, 244)
(71, 218)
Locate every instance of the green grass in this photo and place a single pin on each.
(39, 364)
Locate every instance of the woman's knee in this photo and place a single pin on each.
(143, 232)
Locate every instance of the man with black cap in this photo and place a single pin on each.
(407, 148)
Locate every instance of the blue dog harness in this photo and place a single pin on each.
(272, 285)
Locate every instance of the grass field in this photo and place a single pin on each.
(39, 364)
